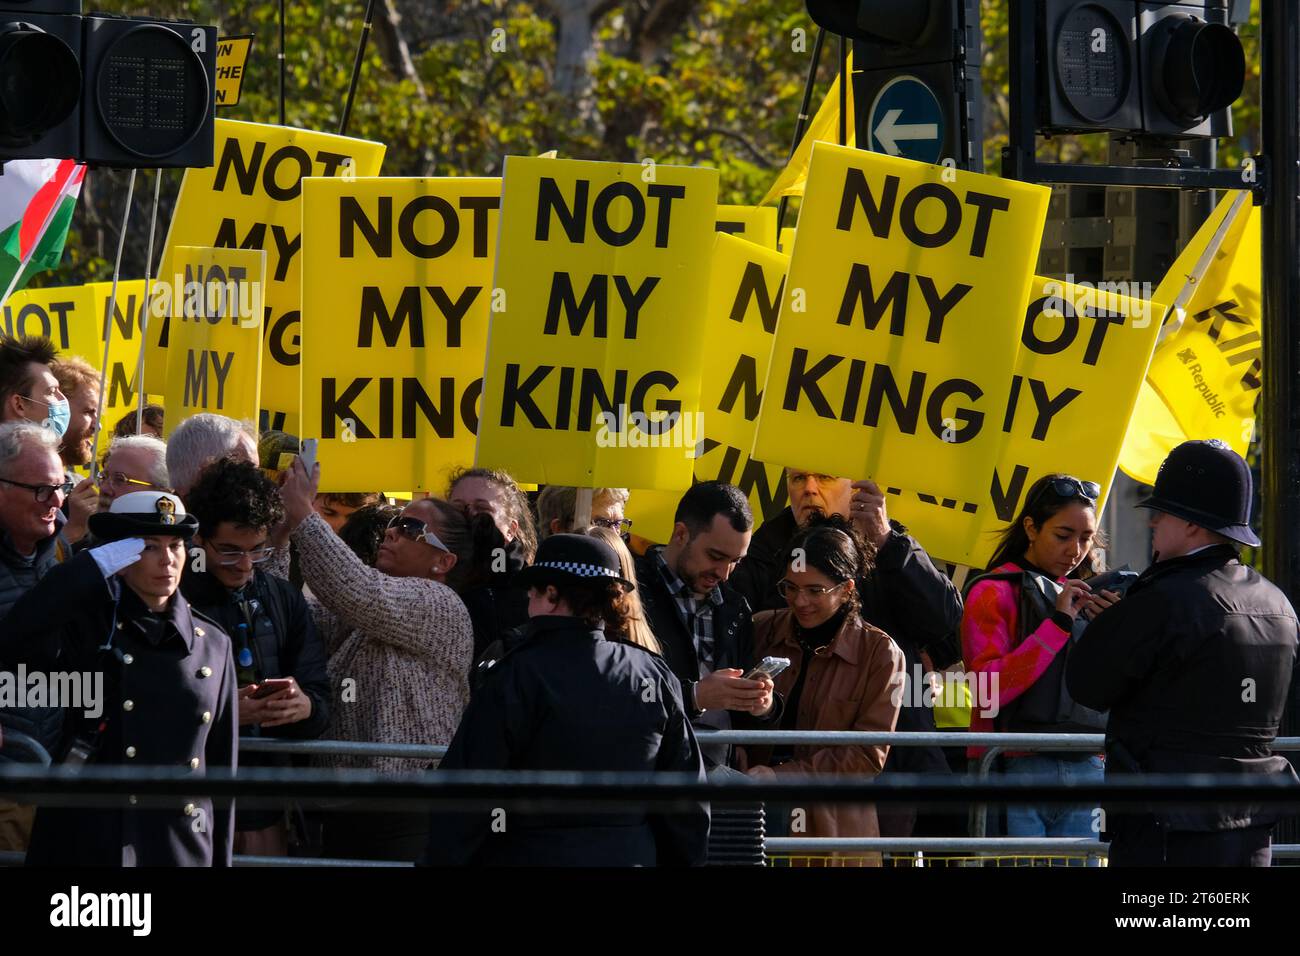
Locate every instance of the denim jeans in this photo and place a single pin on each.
(1059, 820)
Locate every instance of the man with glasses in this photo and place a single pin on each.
(279, 656)
(32, 489)
(133, 463)
(704, 628)
(557, 504)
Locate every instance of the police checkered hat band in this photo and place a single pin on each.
(573, 558)
(581, 570)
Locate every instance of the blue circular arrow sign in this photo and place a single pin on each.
(906, 120)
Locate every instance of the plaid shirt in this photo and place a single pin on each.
(696, 613)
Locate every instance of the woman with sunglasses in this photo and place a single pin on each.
(399, 641)
(842, 674)
(1017, 627)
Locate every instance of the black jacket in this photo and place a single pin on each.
(17, 576)
(567, 699)
(497, 607)
(1194, 664)
(906, 596)
(168, 700)
(291, 647)
(733, 646)
(296, 651)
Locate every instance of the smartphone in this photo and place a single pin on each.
(271, 686)
(768, 667)
(308, 453)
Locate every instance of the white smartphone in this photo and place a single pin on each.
(308, 453)
(768, 667)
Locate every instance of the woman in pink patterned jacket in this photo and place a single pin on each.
(399, 641)
(1036, 574)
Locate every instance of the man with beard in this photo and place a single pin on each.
(705, 628)
(79, 383)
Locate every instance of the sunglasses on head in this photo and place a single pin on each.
(414, 529)
(1068, 487)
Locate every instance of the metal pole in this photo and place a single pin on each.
(356, 67)
(282, 63)
(1279, 411)
(800, 124)
(844, 91)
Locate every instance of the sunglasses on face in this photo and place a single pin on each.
(43, 493)
(789, 590)
(620, 525)
(413, 529)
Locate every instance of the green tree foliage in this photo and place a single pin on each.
(453, 86)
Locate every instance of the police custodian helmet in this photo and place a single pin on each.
(1209, 484)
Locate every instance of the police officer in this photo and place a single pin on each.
(1194, 664)
(168, 688)
(566, 698)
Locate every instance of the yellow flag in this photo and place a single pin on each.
(1205, 377)
(825, 125)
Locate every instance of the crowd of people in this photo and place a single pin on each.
(224, 597)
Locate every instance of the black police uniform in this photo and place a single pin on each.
(1194, 665)
(169, 700)
(565, 698)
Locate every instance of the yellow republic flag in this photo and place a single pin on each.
(825, 125)
(1206, 373)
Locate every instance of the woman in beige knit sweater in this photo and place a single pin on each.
(400, 643)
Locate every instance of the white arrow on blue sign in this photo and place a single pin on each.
(906, 120)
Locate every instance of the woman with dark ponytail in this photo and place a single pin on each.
(567, 697)
(844, 674)
(1017, 628)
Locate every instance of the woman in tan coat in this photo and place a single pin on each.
(842, 676)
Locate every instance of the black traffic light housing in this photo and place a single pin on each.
(936, 42)
(1135, 66)
(104, 90)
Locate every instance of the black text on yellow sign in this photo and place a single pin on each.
(398, 288)
(603, 274)
(250, 198)
(898, 329)
(232, 60)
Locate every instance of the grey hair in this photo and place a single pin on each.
(199, 441)
(158, 475)
(16, 437)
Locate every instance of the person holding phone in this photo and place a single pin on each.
(279, 655)
(1017, 627)
(399, 639)
(843, 674)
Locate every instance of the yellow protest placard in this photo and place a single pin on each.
(397, 275)
(898, 330)
(249, 198)
(755, 223)
(63, 314)
(232, 58)
(127, 317)
(214, 353)
(745, 289)
(1083, 354)
(593, 368)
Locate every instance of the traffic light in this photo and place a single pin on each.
(1134, 66)
(916, 76)
(105, 90)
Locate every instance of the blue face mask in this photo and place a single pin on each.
(58, 415)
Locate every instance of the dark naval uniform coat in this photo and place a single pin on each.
(169, 701)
